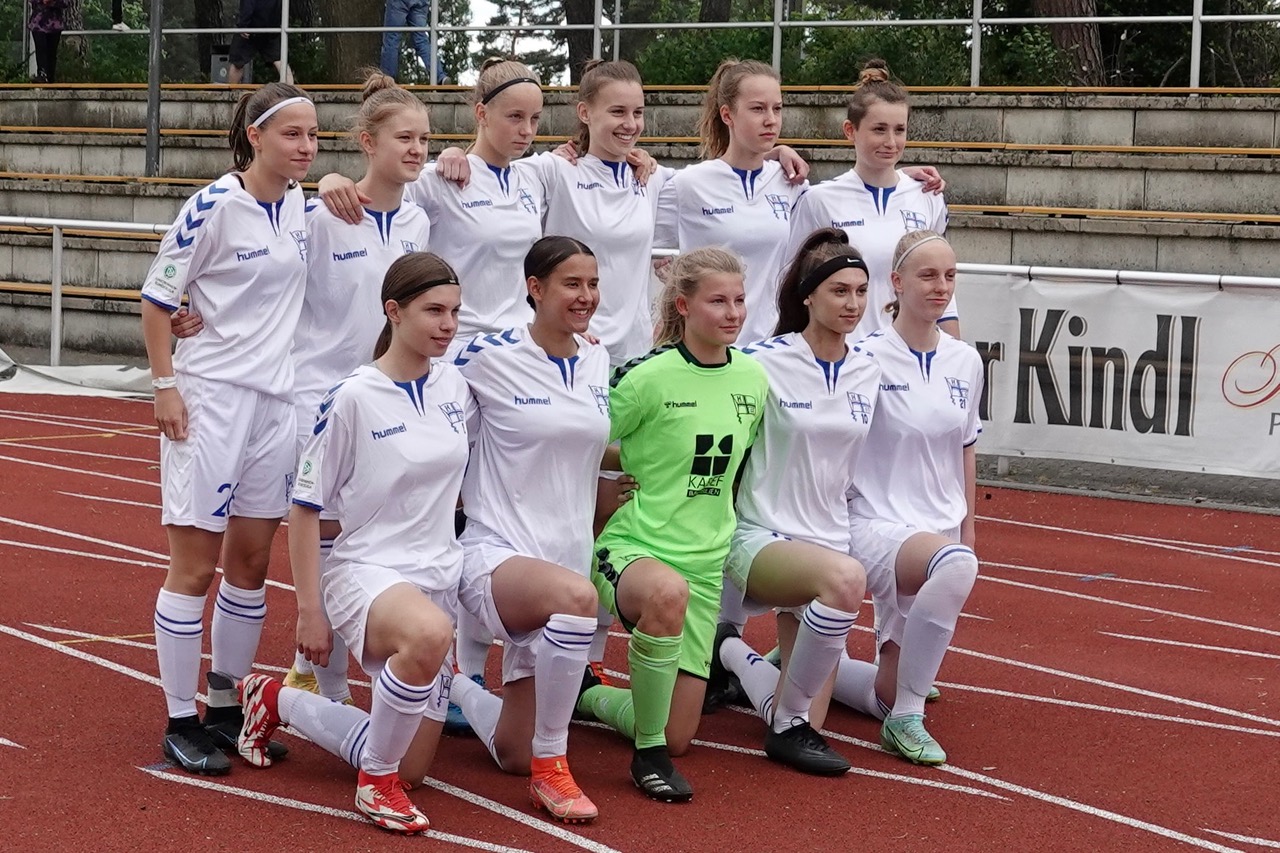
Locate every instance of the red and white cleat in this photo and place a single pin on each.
(552, 788)
(259, 697)
(382, 799)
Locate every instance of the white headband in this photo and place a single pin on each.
(915, 246)
(275, 108)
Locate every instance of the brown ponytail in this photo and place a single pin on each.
(251, 105)
(596, 74)
(818, 248)
(406, 279)
(722, 91)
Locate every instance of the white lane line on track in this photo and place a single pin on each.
(300, 805)
(543, 826)
(552, 829)
(118, 545)
(87, 555)
(110, 500)
(1100, 577)
(1053, 799)
(65, 470)
(135, 644)
(133, 428)
(1244, 839)
(1225, 649)
(1246, 549)
(1123, 538)
(1106, 709)
(68, 450)
(4, 741)
(1146, 609)
(75, 419)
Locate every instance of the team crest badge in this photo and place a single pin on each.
(456, 415)
(779, 205)
(859, 407)
(744, 406)
(300, 239)
(959, 390)
(602, 398)
(913, 221)
(408, 246)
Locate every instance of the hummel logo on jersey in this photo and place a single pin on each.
(959, 392)
(795, 404)
(895, 386)
(716, 211)
(681, 404)
(707, 473)
(455, 413)
(859, 407)
(386, 432)
(300, 240)
(256, 253)
(530, 205)
(531, 401)
(913, 221)
(602, 398)
(408, 246)
(744, 406)
(779, 205)
(355, 253)
(480, 202)
(594, 185)
(848, 223)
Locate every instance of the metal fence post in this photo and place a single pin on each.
(55, 300)
(777, 36)
(285, 75)
(617, 34)
(595, 30)
(1197, 37)
(435, 43)
(152, 166)
(975, 46)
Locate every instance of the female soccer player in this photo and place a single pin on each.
(685, 415)
(912, 503)
(485, 228)
(791, 545)
(529, 495)
(388, 451)
(875, 202)
(341, 313)
(238, 251)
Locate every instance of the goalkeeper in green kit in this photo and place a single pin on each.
(685, 415)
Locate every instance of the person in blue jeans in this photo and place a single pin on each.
(407, 13)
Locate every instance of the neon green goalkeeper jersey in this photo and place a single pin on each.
(684, 429)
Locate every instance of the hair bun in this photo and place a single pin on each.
(875, 71)
(374, 82)
(591, 63)
(492, 61)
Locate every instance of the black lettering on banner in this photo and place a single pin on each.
(1275, 422)
(989, 353)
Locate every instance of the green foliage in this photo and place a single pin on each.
(549, 61)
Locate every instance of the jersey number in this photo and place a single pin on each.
(225, 510)
(705, 462)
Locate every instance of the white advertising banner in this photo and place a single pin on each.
(1159, 375)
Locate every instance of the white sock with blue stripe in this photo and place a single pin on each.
(335, 727)
(179, 623)
(930, 624)
(471, 645)
(394, 718)
(759, 678)
(561, 657)
(482, 710)
(856, 687)
(818, 648)
(238, 615)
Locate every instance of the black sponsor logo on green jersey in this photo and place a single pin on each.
(710, 464)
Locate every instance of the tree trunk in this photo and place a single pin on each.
(579, 41)
(713, 10)
(1080, 42)
(347, 53)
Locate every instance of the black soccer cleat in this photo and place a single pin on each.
(657, 777)
(803, 749)
(723, 687)
(188, 745)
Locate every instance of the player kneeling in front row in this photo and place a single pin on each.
(388, 450)
(791, 546)
(529, 493)
(911, 509)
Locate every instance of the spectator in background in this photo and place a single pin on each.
(407, 13)
(257, 14)
(117, 16)
(45, 24)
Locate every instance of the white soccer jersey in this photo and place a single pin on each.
(342, 310)
(815, 427)
(875, 218)
(912, 468)
(389, 457)
(484, 231)
(543, 426)
(243, 265)
(713, 204)
(599, 203)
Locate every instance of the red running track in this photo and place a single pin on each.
(1115, 685)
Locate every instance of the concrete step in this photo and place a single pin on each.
(1066, 118)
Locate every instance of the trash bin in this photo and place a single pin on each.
(220, 64)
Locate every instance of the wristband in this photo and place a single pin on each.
(162, 383)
